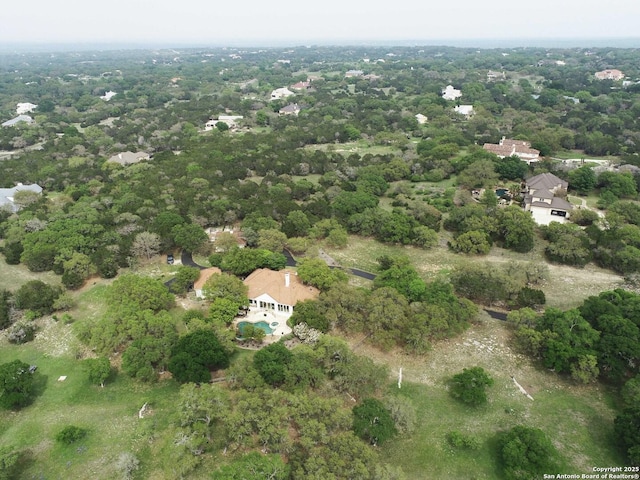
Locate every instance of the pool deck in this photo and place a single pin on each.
(260, 315)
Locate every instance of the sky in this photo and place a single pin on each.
(259, 22)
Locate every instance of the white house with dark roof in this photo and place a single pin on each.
(540, 199)
(7, 195)
(291, 109)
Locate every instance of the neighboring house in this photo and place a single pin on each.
(450, 93)
(23, 108)
(205, 275)
(7, 195)
(491, 75)
(20, 118)
(508, 147)
(277, 291)
(612, 74)
(279, 93)
(230, 120)
(421, 119)
(108, 96)
(301, 85)
(540, 199)
(291, 109)
(466, 110)
(353, 73)
(127, 158)
(213, 233)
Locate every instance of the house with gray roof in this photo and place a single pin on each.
(543, 201)
(127, 158)
(7, 195)
(20, 118)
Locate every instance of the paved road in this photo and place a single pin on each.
(497, 315)
(291, 262)
(187, 259)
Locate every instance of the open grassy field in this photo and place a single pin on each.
(13, 276)
(565, 288)
(578, 419)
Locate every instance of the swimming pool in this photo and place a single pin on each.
(261, 325)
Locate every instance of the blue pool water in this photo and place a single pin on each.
(261, 325)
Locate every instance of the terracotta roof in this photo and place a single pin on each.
(204, 276)
(273, 283)
(508, 147)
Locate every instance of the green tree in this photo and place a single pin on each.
(373, 422)
(627, 431)
(272, 361)
(526, 453)
(226, 286)
(473, 242)
(37, 296)
(582, 179)
(16, 384)
(511, 168)
(309, 312)
(98, 369)
(141, 293)
(516, 228)
(195, 355)
(315, 272)
(272, 240)
(470, 385)
(189, 236)
(223, 310)
(296, 224)
(5, 309)
(480, 174)
(184, 279)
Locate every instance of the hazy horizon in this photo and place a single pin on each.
(483, 43)
(198, 23)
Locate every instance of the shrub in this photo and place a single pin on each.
(71, 434)
(21, 332)
(470, 385)
(460, 440)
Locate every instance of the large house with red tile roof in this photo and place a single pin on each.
(508, 148)
(277, 291)
(610, 74)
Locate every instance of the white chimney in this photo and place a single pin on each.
(287, 279)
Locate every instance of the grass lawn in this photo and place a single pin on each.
(577, 419)
(566, 287)
(110, 414)
(13, 277)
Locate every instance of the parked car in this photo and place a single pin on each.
(170, 259)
